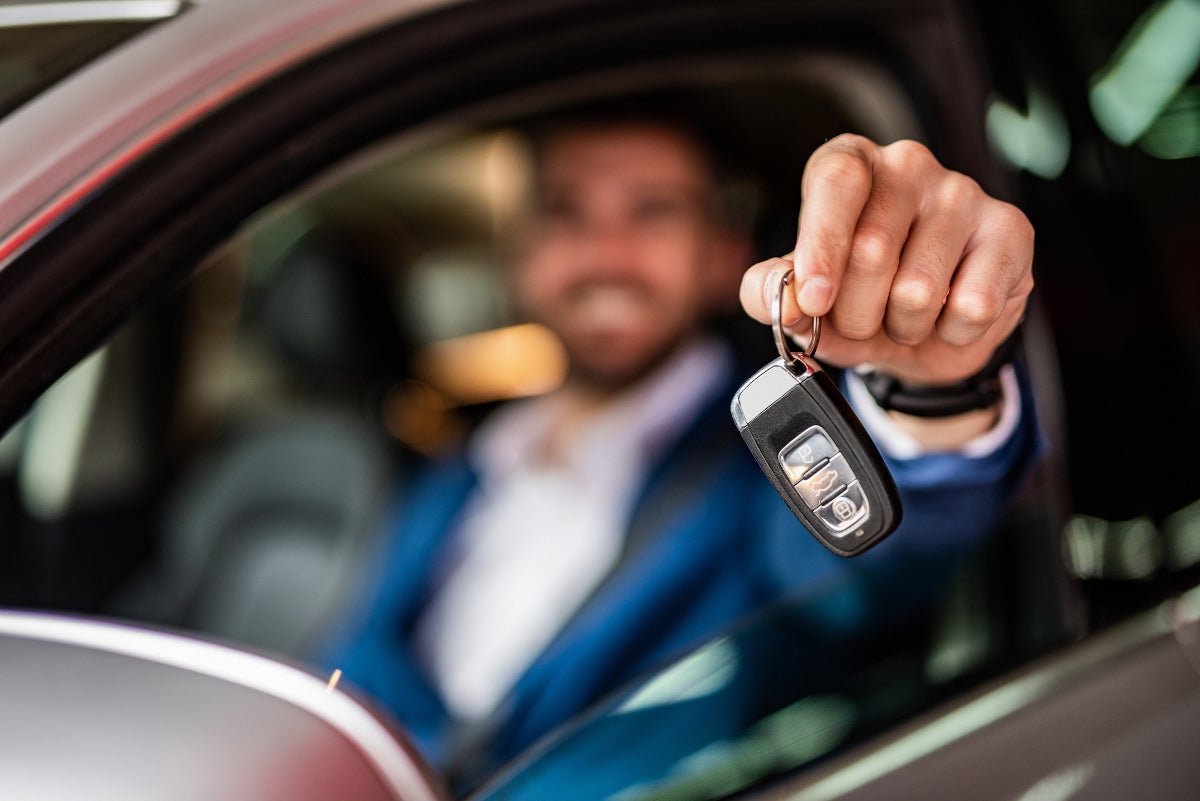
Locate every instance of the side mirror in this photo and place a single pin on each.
(95, 709)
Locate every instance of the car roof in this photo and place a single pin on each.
(61, 146)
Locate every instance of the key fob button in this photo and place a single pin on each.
(826, 482)
(846, 510)
(802, 455)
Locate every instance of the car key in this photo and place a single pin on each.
(813, 447)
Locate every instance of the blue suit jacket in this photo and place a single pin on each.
(708, 542)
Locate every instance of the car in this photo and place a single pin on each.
(249, 267)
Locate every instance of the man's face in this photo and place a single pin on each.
(617, 260)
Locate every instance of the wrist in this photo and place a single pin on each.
(973, 434)
(975, 393)
(950, 433)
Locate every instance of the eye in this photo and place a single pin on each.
(656, 209)
(558, 211)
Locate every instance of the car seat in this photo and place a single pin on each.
(267, 529)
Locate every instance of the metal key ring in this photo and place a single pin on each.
(790, 356)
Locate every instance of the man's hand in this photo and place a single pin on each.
(918, 271)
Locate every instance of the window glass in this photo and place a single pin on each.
(777, 693)
(1106, 146)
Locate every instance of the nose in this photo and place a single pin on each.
(607, 247)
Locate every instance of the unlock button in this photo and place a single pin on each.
(800, 456)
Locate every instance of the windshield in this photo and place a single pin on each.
(41, 43)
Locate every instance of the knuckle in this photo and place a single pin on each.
(914, 295)
(844, 169)
(1012, 224)
(851, 142)
(1025, 287)
(974, 310)
(958, 191)
(1012, 219)
(909, 155)
(873, 252)
(1017, 233)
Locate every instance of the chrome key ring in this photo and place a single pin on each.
(790, 356)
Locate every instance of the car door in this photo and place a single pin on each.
(1102, 719)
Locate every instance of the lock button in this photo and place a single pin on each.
(845, 510)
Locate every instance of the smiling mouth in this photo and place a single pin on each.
(609, 305)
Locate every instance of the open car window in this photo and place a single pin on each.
(368, 314)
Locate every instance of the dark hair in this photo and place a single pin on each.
(680, 112)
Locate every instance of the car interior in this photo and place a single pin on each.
(224, 463)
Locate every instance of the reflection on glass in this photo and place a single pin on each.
(1151, 65)
(705, 672)
(1061, 784)
(1176, 132)
(1182, 532)
(56, 435)
(782, 690)
(1113, 549)
(58, 13)
(797, 734)
(1037, 140)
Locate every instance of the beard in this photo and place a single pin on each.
(616, 330)
(608, 367)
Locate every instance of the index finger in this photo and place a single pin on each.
(836, 185)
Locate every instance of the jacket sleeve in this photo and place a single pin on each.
(951, 503)
(953, 500)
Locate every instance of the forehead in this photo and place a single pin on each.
(639, 152)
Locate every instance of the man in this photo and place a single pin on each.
(589, 534)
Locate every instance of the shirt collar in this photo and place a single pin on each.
(635, 425)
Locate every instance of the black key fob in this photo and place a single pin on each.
(813, 448)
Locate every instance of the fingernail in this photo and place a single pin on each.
(815, 296)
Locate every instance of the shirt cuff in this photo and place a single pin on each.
(899, 444)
